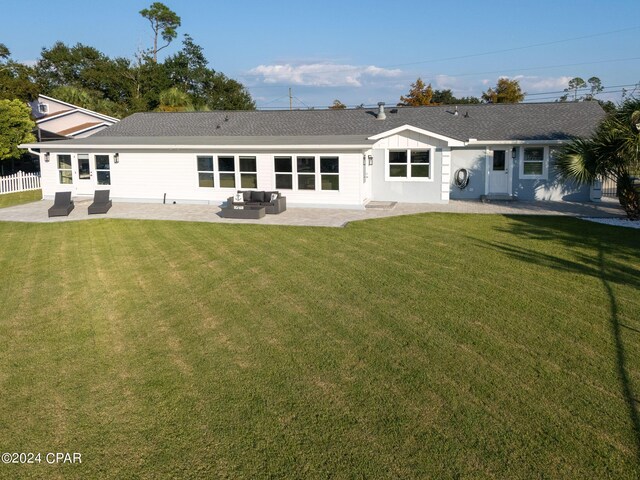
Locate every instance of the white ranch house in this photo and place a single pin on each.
(326, 158)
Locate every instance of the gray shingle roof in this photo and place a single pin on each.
(524, 121)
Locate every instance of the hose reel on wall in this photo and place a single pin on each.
(461, 178)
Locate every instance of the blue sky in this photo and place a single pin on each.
(361, 51)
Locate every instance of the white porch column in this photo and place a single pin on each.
(446, 174)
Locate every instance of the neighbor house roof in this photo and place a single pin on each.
(484, 122)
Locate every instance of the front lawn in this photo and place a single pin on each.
(11, 199)
(426, 346)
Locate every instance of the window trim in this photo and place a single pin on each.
(237, 173)
(43, 108)
(95, 163)
(278, 172)
(212, 171)
(409, 178)
(317, 173)
(321, 173)
(545, 163)
(246, 172)
(60, 170)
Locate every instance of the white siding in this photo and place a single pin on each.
(147, 176)
(411, 191)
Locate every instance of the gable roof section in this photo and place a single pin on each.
(74, 108)
(452, 142)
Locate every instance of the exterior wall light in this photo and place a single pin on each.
(370, 157)
(116, 158)
(513, 153)
(47, 157)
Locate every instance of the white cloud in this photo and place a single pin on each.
(542, 84)
(321, 74)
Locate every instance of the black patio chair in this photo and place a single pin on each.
(101, 202)
(62, 205)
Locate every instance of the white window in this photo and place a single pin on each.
(307, 172)
(205, 171)
(103, 169)
(306, 167)
(283, 167)
(534, 164)
(43, 108)
(409, 165)
(329, 173)
(227, 171)
(64, 169)
(248, 172)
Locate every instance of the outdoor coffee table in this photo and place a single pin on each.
(243, 211)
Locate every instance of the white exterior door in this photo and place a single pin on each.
(86, 182)
(499, 171)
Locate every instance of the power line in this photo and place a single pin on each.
(581, 89)
(513, 49)
(480, 54)
(546, 66)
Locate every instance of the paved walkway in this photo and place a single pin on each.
(317, 217)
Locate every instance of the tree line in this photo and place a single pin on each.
(118, 86)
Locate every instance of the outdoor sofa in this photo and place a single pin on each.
(62, 205)
(273, 202)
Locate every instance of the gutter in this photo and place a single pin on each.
(473, 141)
(194, 147)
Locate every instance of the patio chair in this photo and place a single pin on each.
(101, 202)
(62, 205)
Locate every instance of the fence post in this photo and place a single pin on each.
(595, 191)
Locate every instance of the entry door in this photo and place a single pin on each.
(499, 172)
(85, 175)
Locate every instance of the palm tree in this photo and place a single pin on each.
(175, 100)
(613, 151)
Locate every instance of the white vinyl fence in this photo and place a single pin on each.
(19, 182)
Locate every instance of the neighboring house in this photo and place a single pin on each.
(332, 158)
(57, 120)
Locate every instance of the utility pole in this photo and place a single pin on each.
(290, 100)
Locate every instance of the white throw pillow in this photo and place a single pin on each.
(238, 198)
(274, 197)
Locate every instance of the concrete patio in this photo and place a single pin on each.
(311, 217)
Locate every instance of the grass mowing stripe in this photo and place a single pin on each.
(243, 351)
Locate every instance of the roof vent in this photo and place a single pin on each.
(456, 111)
(381, 115)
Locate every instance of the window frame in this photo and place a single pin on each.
(101, 170)
(208, 172)
(545, 163)
(332, 174)
(409, 177)
(317, 173)
(243, 173)
(60, 170)
(43, 108)
(236, 172)
(233, 172)
(277, 172)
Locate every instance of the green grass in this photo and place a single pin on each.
(427, 346)
(18, 198)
